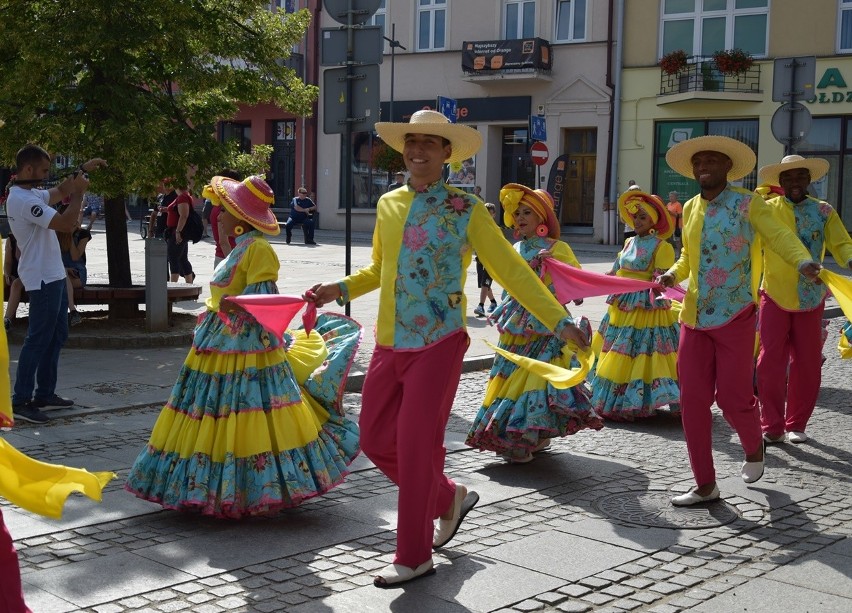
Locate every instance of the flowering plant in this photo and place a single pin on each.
(733, 61)
(386, 158)
(674, 62)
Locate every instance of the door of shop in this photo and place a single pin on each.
(282, 178)
(578, 199)
(516, 165)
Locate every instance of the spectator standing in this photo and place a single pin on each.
(177, 249)
(791, 307)
(10, 276)
(723, 230)
(301, 211)
(675, 208)
(398, 181)
(72, 246)
(34, 224)
(93, 207)
(483, 279)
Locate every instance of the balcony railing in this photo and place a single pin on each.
(701, 75)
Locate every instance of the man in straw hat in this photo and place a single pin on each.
(791, 308)
(722, 231)
(425, 234)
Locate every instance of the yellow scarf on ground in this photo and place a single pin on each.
(32, 485)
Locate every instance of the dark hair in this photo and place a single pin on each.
(30, 154)
(231, 174)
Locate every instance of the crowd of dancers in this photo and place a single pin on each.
(255, 422)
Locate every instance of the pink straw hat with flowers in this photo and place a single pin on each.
(248, 200)
(632, 201)
(514, 194)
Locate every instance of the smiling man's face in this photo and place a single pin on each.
(425, 155)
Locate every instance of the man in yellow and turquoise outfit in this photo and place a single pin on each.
(791, 307)
(724, 228)
(425, 235)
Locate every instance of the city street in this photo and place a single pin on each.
(587, 526)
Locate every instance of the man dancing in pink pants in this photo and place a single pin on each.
(425, 235)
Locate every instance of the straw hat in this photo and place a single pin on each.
(464, 139)
(818, 167)
(679, 157)
(632, 200)
(513, 194)
(248, 200)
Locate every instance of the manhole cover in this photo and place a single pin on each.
(655, 509)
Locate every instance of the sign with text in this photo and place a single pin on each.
(496, 55)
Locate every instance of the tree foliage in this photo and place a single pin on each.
(141, 83)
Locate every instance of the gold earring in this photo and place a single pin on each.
(238, 230)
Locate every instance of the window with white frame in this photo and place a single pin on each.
(844, 27)
(701, 27)
(570, 21)
(380, 17)
(431, 25)
(519, 19)
(284, 6)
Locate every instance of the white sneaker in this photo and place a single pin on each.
(773, 440)
(479, 311)
(693, 497)
(797, 437)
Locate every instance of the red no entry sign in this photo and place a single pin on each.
(538, 153)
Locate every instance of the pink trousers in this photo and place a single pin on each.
(793, 337)
(11, 592)
(717, 363)
(406, 402)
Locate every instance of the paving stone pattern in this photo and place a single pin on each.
(537, 542)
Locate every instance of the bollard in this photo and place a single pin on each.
(156, 289)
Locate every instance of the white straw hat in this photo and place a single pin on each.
(465, 140)
(679, 157)
(770, 173)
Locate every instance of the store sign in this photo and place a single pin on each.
(496, 55)
(832, 88)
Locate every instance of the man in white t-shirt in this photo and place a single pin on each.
(34, 224)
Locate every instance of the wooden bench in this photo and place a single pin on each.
(104, 294)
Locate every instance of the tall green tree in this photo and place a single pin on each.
(141, 83)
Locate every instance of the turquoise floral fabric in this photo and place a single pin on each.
(810, 226)
(724, 274)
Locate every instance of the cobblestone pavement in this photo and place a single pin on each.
(585, 527)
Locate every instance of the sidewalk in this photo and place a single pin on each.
(585, 527)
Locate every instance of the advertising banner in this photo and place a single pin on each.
(495, 55)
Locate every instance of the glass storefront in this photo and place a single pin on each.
(831, 138)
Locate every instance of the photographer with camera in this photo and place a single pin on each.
(42, 272)
(301, 211)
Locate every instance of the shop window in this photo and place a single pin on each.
(844, 27)
(669, 133)
(570, 21)
(380, 17)
(519, 19)
(238, 132)
(701, 27)
(431, 25)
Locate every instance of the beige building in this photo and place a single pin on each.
(502, 61)
(658, 109)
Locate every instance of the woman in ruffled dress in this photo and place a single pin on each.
(522, 411)
(636, 370)
(253, 424)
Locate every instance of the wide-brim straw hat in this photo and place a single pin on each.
(818, 167)
(512, 195)
(664, 227)
(465, 140)
(248, 200)
(679, 157)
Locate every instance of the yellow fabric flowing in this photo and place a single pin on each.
(560, 378)
(42, 488)
(841, 287)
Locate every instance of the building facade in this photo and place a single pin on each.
(659, 109)
(502, 62)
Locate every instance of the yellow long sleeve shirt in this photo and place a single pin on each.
(423, 243)
(722, 254)
(818, 227)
